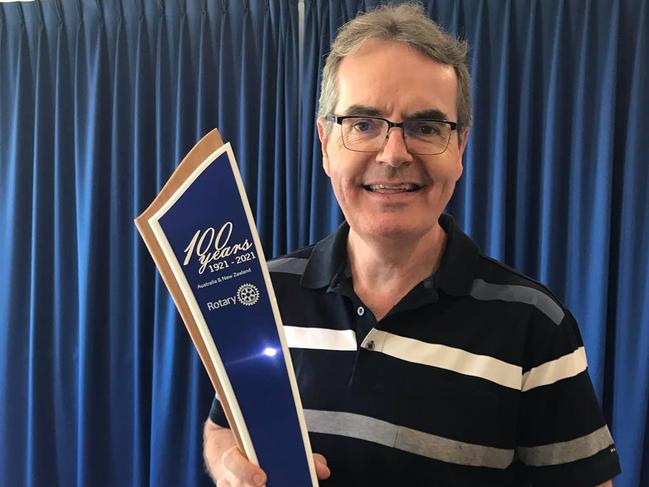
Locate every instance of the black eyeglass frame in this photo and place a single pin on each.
(339, 119)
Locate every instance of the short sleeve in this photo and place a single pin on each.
(563, 438)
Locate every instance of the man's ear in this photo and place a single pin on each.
(463, 140)
(324, 143)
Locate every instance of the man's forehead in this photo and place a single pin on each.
(384, 78)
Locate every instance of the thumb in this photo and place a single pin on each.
(242, 469)
(321, 469)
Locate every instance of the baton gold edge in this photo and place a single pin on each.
(203, 148)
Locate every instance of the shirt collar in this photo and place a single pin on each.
(327, 259)
(455, 274)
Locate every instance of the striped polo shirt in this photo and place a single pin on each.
(477, 377)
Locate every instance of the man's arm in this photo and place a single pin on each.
(227, 466)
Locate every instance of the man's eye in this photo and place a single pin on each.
(364, 125)
(425, 128)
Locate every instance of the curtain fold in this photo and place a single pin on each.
(99, 381)
(628, 315)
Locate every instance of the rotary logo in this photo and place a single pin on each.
(248, 294)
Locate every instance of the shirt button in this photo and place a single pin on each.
(360, 311)
(370, 345)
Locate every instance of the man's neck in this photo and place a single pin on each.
(384, 270)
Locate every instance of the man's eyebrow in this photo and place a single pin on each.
(367, 111)
(363, 110)
(431, 114)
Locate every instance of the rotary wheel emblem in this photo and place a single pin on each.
(248, 294)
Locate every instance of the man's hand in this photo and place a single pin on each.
(229, 468)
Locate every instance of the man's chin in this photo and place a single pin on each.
(398, 229)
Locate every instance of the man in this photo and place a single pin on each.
(419, 360)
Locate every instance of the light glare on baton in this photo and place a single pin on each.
(270, 351)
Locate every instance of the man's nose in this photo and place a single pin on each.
(394, 151)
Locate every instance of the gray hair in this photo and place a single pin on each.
(406, 23)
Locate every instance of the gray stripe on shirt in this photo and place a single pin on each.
(567, 451)
(406, 439)
(486, 291)
(288, 265)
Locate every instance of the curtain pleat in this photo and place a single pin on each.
(628, 317)
(17, 235)
(99, 381)
(139, 189)
(65, 276)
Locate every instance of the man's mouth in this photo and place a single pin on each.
(392, 188)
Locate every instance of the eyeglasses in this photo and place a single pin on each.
(368, 134)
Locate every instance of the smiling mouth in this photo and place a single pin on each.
(392, 188)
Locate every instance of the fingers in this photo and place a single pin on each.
(241, 469)
(321, 469)
(240, 472)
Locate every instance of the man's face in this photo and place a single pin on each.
(392, 80)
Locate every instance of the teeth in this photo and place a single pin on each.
(393, 187)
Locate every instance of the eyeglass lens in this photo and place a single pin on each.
(421, 136)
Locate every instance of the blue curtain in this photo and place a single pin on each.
(99, 382)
